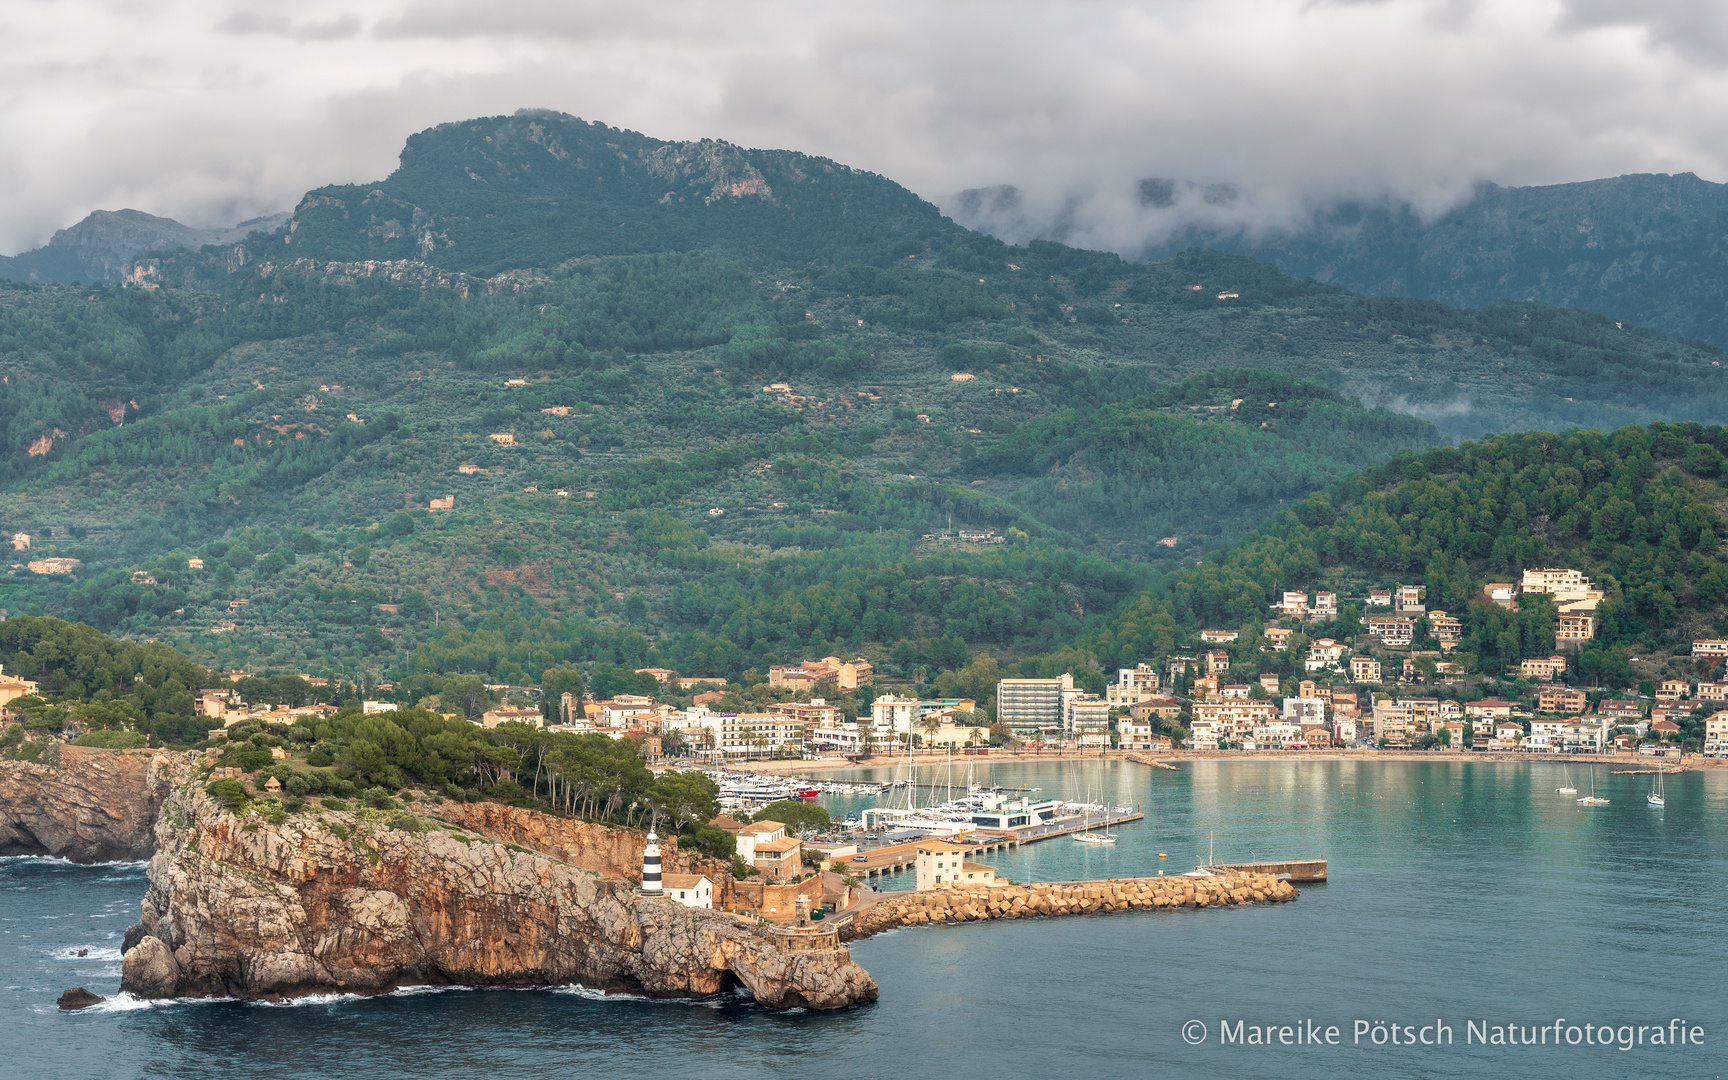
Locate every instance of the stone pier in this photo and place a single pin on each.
(1064, 898)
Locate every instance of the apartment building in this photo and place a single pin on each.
(1546, 669)
(1447, 630)
(1236, 716)
(1574, 626)
(815, 712)
(1712, 691)
(1029, 706)
(1132, 684)
(1488, 709)
(891, 716)
(1393, 631)
(1560, 699)
(1716, 735)
(1304, 710)
(1393, 722)
(1364, 669)
(1322, 655)
(1088, 722)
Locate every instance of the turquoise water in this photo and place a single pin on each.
(1460, 892)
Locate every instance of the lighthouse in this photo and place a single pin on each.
(651, 866)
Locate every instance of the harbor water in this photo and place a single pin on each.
(1461, 894)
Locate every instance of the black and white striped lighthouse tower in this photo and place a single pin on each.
(651, 866)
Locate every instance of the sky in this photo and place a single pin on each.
(213, 111)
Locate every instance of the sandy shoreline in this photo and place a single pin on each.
(789, 768)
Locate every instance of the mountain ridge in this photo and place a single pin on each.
(1650, 248)
(101, 245)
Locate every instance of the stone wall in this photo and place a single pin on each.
(1065, 898)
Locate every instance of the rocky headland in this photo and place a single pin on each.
(321, 902)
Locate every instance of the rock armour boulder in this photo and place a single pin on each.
(1065, 898)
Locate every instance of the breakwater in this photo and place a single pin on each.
(1064, 898)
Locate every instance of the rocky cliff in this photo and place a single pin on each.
(364, 902)
(91, 805)
(608, 851)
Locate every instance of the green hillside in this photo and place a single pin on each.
(690, 417)
(1640, 511)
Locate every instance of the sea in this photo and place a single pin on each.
(1475, 924)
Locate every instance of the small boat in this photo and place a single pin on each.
(1592, 799)
(1568, 789)
(1655, 797)
(1094, 838)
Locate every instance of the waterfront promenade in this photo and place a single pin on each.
(1178, 757)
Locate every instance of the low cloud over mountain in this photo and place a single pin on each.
(212, 111)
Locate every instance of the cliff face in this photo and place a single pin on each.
(607, 851)
(91, 806)
(345, 902)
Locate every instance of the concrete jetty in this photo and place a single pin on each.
(895, 857)
(1063, 898)
(1304, 870)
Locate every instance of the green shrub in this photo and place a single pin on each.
(378, 799)
(336, 804)
(406, 822)
(230, 793)
(711, 841)
(112, 739)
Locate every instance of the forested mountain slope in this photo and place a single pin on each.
(1639, 510)
(703, 404)
(1647, 248)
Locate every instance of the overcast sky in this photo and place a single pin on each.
(216, 110)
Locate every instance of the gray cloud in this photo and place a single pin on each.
(213, 110)
(251, 22)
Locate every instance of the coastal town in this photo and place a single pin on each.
(1401, 683)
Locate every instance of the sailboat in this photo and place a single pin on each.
(1087, 836)
(1568, 789)
(1655, 797)
(1591, 799)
